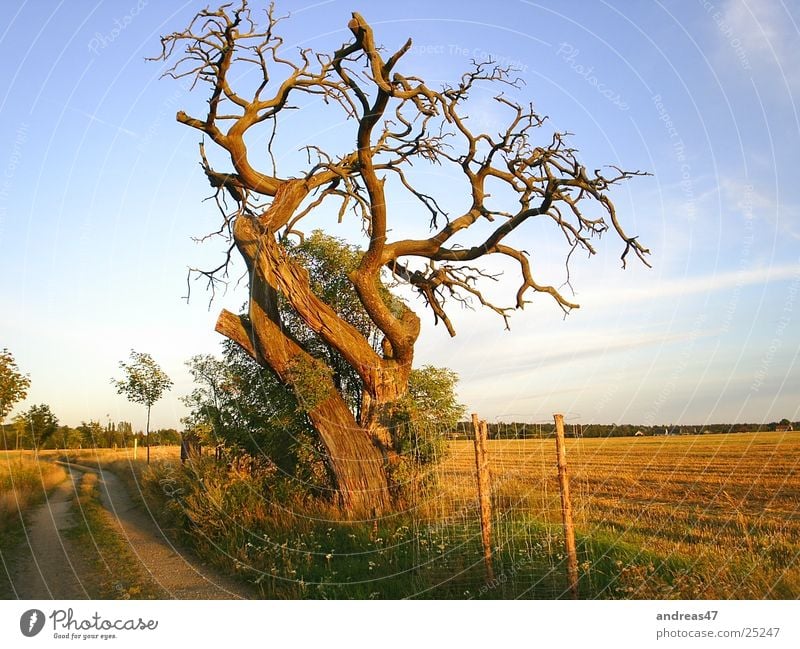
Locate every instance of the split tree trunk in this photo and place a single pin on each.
(356, 460)
(358, 452)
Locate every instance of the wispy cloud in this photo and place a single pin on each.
(766, 34)
(686, 286)
(757, 203)
(567, 348)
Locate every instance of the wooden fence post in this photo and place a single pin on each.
(484, 492)
(566, 507)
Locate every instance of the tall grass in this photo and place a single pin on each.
(294, 548)
(24, 481)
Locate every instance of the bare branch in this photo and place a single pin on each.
(399, 120)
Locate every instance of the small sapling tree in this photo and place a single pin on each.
(143, 382)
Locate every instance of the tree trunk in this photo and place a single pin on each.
(356, 461)
(147, 430)
(392, 386)
(356, 453)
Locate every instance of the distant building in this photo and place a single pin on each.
(638, 433)
(783, 428)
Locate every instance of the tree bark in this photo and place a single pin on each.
(147, 433)
(376, 397)
(355, 460)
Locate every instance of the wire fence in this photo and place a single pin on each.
(527, 538)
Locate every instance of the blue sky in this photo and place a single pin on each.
(101, 194)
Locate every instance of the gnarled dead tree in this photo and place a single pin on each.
(396, 120)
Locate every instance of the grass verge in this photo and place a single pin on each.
(115, 575)
(293, 551)
(24, 484)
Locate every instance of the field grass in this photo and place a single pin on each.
(23, 483)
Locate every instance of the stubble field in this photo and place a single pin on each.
(724, 510)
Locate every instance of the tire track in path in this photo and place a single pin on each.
(175, 574)
(48, 567)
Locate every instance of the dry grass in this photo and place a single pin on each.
(130, 467)
(23, 483)
(107, 455)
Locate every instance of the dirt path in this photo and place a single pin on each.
(47, 567)
(176, 575)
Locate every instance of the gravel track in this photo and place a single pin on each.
(49, 566)
(175, 574)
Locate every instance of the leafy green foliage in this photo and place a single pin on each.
(36, 426)
(309, 381)
(67, 437)
(242, 406)
(329, 261)
(91, 434)
(246, 408)
(419, 420)
(13, 384)
(144, 381)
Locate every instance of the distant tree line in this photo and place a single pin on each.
(523, 430)
(38, 428)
